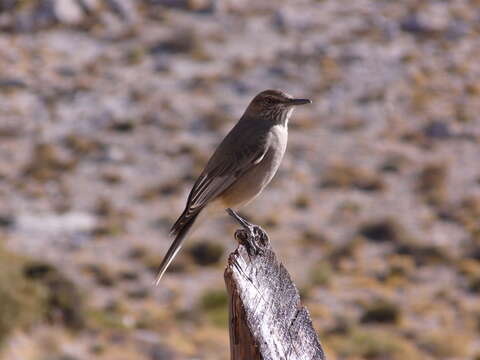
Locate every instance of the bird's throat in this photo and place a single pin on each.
(286, 116)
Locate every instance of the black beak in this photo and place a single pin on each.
(296, 102)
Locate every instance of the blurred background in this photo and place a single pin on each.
(110, 108)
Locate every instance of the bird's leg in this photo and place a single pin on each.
(253, 234)
(245, 224)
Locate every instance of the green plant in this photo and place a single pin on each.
(321, 273)
(214, 303)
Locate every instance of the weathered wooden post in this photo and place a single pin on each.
(267, 320)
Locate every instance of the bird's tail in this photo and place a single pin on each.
(180, 231)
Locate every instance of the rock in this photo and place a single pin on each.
(182, 42)
(42, 16)
(382, 231)
(412, 24)
(68, 12)
(7, 5)
(6, 221)
(37, 270)
(66, 357)
(89, 6)
(53, 224)
(456, 30)
(203, 6)
(123, 126)
(159, 352)
(381, 311)
(206, 253)
(12, 83)
(124, 9)
(437, 129)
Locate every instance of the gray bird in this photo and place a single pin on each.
(241, 166)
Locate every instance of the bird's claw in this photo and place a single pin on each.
(253, 236)
(249, 239)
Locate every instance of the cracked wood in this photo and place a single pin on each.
(267, 320)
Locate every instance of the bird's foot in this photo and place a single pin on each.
(253, 236)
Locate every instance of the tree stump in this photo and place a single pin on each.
(267, 320)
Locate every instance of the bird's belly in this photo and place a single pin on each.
(251, 184)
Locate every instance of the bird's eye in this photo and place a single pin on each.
(269, 100)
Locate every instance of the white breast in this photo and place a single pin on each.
(280, 136)
(279, 142)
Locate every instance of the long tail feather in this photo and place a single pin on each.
(180, 232)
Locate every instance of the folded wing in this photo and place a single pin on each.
(220, 173)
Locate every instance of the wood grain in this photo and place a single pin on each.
(267, 320)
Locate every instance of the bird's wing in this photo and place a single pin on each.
(219, 175)
(213, 182)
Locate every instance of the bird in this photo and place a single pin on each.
(241, 166)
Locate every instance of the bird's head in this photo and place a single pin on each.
(274, 104)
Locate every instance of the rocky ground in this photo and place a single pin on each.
(110, 108)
